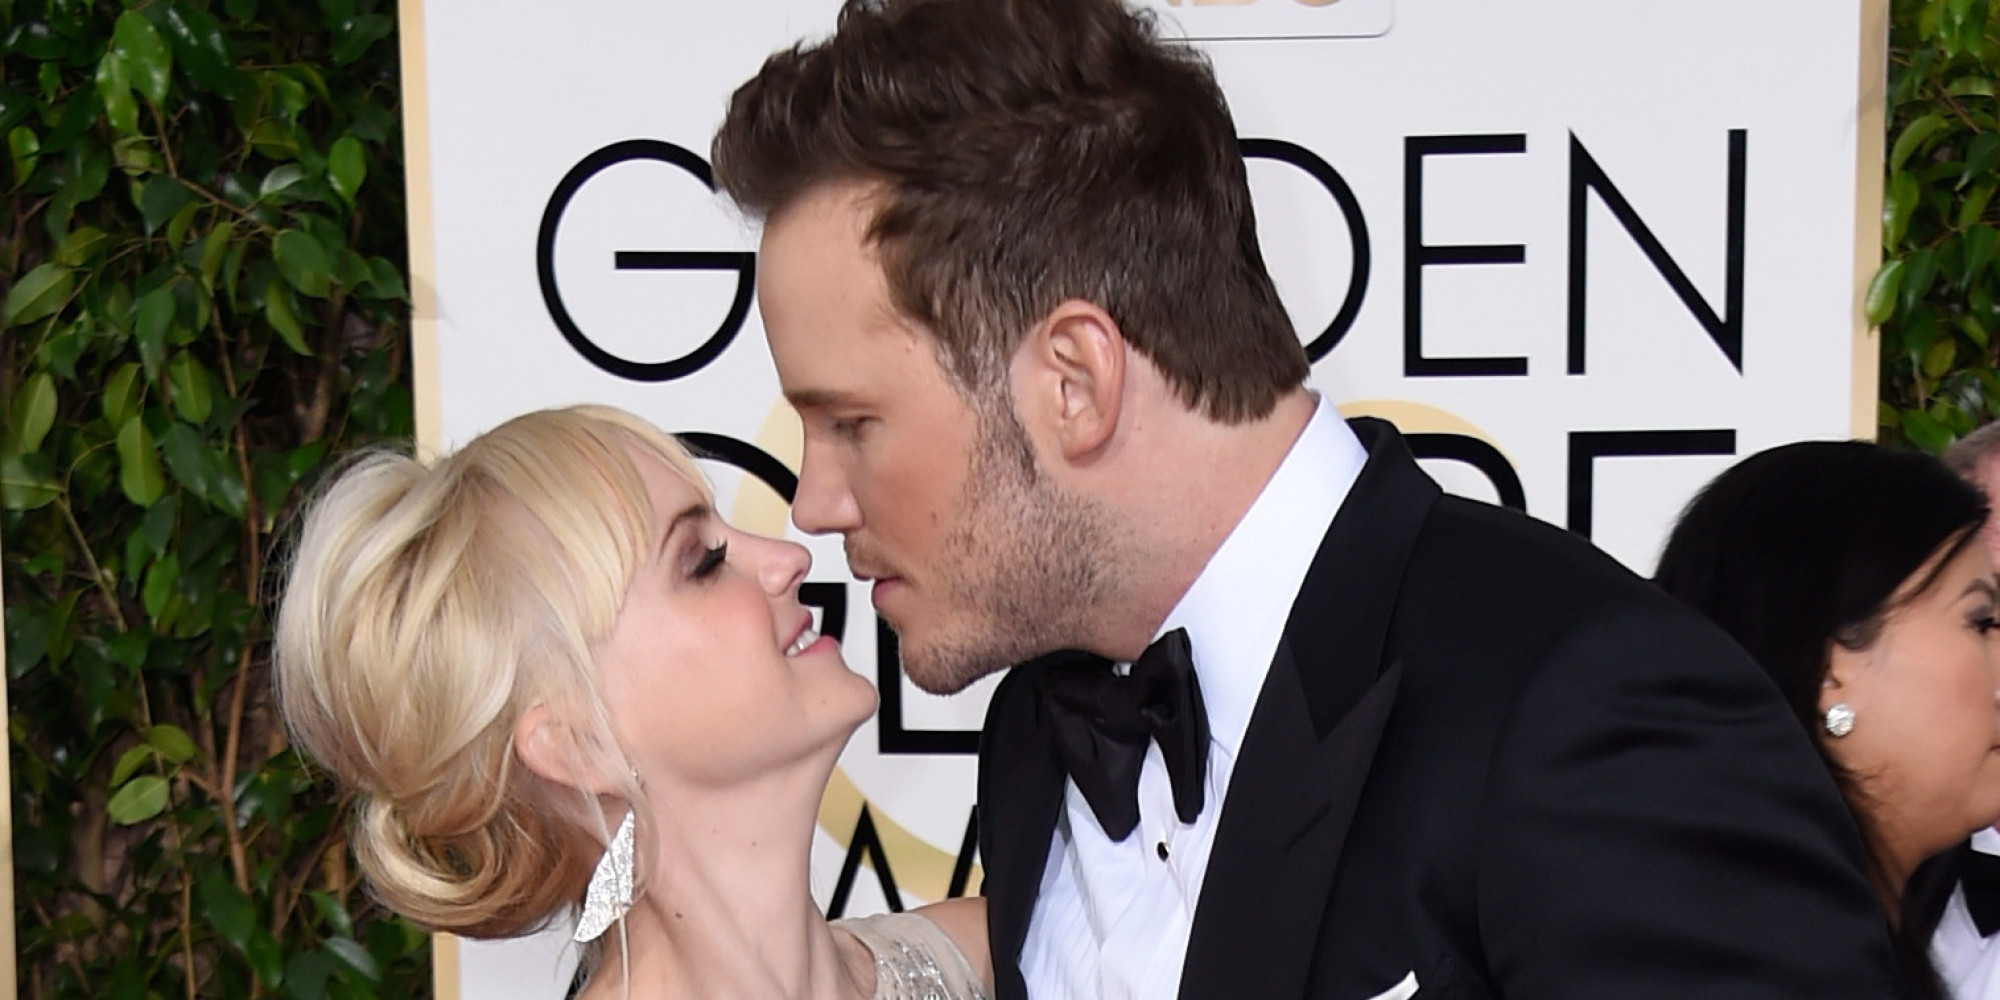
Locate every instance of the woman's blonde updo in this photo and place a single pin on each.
(429, 605)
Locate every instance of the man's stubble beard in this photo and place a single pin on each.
(1023, 570)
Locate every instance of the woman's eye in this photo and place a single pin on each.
(1986, 623)
(711, 561)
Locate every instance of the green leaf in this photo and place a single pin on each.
(350, 952)
(81, 245)
(357, 34)
(23, 148)
(135, 155)
(34, 412)
(303, 262)
(148, 60)
(157, 593)
(213, 248)
(114, 88)
(1973, 208)
(333, 913)
(157, 528)
(173, 743)
(385, 281)
(201, 49)
(346, 167)
(183, 220)
(193, 396)
(182, 448)
(39, 294)
(160, 199)
(306, 974)
(1975, 330)
(121, 394)
(1913, 137)
(1971, 86)
(280, 179)
(1925, 432)
(27, 481)
(130, 762)
(1896, 209)
(1919, 271)
(230, 912)
(141, 799)
(1980, 158)
(266, 958)
(1980, 244)
(139, 472)
(278, 310)
(151, 318)
(1880, 302)
(1938, 359)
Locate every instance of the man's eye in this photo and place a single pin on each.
(848, 427)
(711, 561)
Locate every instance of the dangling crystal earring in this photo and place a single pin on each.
(610, 892)
(1839, 720)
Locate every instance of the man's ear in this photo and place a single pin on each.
(551, 747)
(1070, 376)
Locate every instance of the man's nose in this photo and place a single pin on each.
(824, 504)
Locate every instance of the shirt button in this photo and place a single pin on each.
(1161, 849)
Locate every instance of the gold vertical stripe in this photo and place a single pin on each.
(417, 180)
(1870, 124)
(423, 319)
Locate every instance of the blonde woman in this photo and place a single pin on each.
(560, 686)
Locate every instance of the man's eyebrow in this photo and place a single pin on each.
(821, 399)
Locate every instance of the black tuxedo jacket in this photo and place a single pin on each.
(1487, 755)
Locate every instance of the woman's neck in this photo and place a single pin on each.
(726, 909)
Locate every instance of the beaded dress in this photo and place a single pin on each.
(914, 960)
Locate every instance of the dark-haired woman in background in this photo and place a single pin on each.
(1853, 574)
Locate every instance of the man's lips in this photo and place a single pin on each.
(884, 586)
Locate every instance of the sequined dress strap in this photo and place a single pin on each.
(914, 960)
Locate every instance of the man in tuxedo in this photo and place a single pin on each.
(1320, 730)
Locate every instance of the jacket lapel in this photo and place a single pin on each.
(1020, 798)
(1311, 740)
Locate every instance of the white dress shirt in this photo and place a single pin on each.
(1112, 918)
(1965, 961)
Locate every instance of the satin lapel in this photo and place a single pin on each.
(1020, 797)
(1280, 843)
(1312, 738)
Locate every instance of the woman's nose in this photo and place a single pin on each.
(783, 565)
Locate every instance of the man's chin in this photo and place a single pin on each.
(943, 669)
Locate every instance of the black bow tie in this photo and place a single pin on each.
(1102, 723)
(1979, 875)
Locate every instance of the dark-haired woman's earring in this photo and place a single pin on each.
(1839, 720)
(610, 892)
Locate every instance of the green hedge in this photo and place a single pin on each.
(1935, 296)
(203, 237)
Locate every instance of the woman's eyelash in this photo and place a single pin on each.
(711, 560)
(1986, 623)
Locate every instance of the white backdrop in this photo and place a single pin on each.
(1587, 251)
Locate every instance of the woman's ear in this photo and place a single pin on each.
(1843, 667)
(551, 747)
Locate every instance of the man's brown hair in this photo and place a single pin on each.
(1028, 152)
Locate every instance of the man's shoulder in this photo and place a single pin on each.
(1497, 580)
